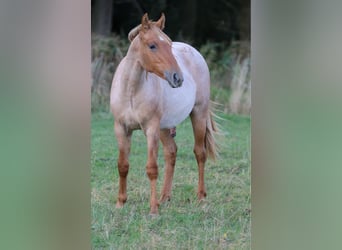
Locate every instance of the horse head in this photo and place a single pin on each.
(155, 54)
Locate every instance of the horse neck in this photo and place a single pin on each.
(133, 70)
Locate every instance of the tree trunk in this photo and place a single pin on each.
(102, 17)
(244, 20)
(189, 10)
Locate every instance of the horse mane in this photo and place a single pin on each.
(134, 32)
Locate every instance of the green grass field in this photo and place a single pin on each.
(221, 222)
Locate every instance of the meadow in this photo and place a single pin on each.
(222, 221)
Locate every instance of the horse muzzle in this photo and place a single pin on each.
(175, 79)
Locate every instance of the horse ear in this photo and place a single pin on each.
(161, 22)
(145, 23)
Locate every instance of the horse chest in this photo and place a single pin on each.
(178, 103)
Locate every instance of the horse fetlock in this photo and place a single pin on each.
(165, 198)
(121, 200)
(154, 209)
(201, 195)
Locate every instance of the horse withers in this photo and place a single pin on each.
(157, 85)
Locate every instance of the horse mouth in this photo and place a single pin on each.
(174, 79)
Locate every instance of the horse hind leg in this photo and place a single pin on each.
(124, 143)
(170, 152)
(199, 129)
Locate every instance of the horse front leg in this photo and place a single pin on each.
(152, 135)
(124, 143)
(170, 152)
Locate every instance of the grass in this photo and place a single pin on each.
(221, 222)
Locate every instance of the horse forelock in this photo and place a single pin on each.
(161, 35)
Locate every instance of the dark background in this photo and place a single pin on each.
(186, 20)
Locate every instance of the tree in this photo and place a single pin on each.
(194, 21)
(101, 18)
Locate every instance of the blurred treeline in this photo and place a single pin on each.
(219, 29)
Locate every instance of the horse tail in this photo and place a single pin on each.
(211, 145)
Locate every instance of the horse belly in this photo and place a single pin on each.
(178, 103)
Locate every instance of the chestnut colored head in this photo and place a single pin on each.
(155, 50)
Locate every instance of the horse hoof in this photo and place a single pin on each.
(154, 209)
(154, 214)
(119, 204)
(202, 201)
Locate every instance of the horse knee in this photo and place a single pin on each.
(152, 171)
(123, 169)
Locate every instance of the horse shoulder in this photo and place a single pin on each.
(119, 72)
(115, 96)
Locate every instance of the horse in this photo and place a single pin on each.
(156, 86)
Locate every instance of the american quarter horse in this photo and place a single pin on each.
(157, 85)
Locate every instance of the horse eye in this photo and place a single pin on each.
(152, 46)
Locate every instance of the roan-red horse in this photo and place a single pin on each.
(157, 85)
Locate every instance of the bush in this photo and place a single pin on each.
(107, 53)
(230, 75)
(229, 68)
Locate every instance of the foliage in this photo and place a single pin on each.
(107, 53)
(240, 100)
(195, 20)
(230, 75)
(229, 67)
(221, 222)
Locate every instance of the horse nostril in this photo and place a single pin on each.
(177, 79)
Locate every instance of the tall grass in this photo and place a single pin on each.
(107, 53)
(229, 67)
(230, 75)
(240, 99)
